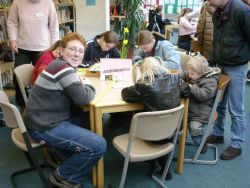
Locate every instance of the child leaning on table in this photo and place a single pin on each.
(157, 89)
(203, 84)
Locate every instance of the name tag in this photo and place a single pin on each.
(39, 14)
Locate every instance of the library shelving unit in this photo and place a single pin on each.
(66, 16)
(6, 74)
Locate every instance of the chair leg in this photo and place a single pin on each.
(196, 159)
(161, 181)
(124, 172)
(203, 142)
(34, 160)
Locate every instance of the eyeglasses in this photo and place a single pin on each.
(75, 50)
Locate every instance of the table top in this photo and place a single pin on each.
(113, 96)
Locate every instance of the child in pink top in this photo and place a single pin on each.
(185, 29)
(45, 59)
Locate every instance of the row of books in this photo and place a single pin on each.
(63, 1)
(3, 29)
(5, 3)
(65, 14)
(64, 30)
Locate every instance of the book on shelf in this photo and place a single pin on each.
(3, 29)
(5, 3)
(58, 2)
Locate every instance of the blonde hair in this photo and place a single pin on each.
(198, 64)
(143, 71)
(144, 37)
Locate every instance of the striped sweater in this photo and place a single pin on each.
(56, 89)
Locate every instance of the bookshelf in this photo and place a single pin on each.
(66, 16)
(3, 26)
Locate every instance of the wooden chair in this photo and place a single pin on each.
(223, 82)
(146, 127)
(21, 139)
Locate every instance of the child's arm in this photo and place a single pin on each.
(131, 94)
(139, 55)
(205, 92)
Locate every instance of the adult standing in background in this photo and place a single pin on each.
(231, 52)
(32, 28)
(248, 73)
(205, 30)
(186, 29)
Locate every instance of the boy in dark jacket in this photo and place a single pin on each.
(204, 81)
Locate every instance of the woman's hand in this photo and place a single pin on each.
(84, 80)
(14, 46)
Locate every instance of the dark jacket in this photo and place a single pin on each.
(203, 94)
(94, 52)
(156, 23)
(163, 94)
(231, 34)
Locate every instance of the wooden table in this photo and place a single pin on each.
(170, 28)
(110, 101)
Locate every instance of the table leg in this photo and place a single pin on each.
(92, 127)
(182, 141)
(100, 166)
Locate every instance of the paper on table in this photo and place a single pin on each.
(96, 67)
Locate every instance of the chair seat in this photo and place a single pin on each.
(141, 150)
(19, 141)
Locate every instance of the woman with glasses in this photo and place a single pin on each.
(102, 46)
(49, 119)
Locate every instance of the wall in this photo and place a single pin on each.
(92, 20)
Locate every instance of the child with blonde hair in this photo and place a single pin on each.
(157, 89)
(203, 84)
(154, 86)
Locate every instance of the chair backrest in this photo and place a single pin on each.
(184, 58)
(222, 84)
(23, 74)
(157, 125)
(12, 116)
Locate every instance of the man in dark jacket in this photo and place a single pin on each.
(231, 52)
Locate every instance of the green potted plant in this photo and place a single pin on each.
(132, 24)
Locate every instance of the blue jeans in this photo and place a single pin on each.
(82, 148)
(233, 99)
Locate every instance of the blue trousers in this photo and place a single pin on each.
(233, 99)
(82, 148)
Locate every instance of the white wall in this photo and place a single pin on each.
(92, 20)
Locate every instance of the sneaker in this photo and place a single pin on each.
(230, 153)
(204, 149)
(59, 181)
(213, 139)
(248, 74)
